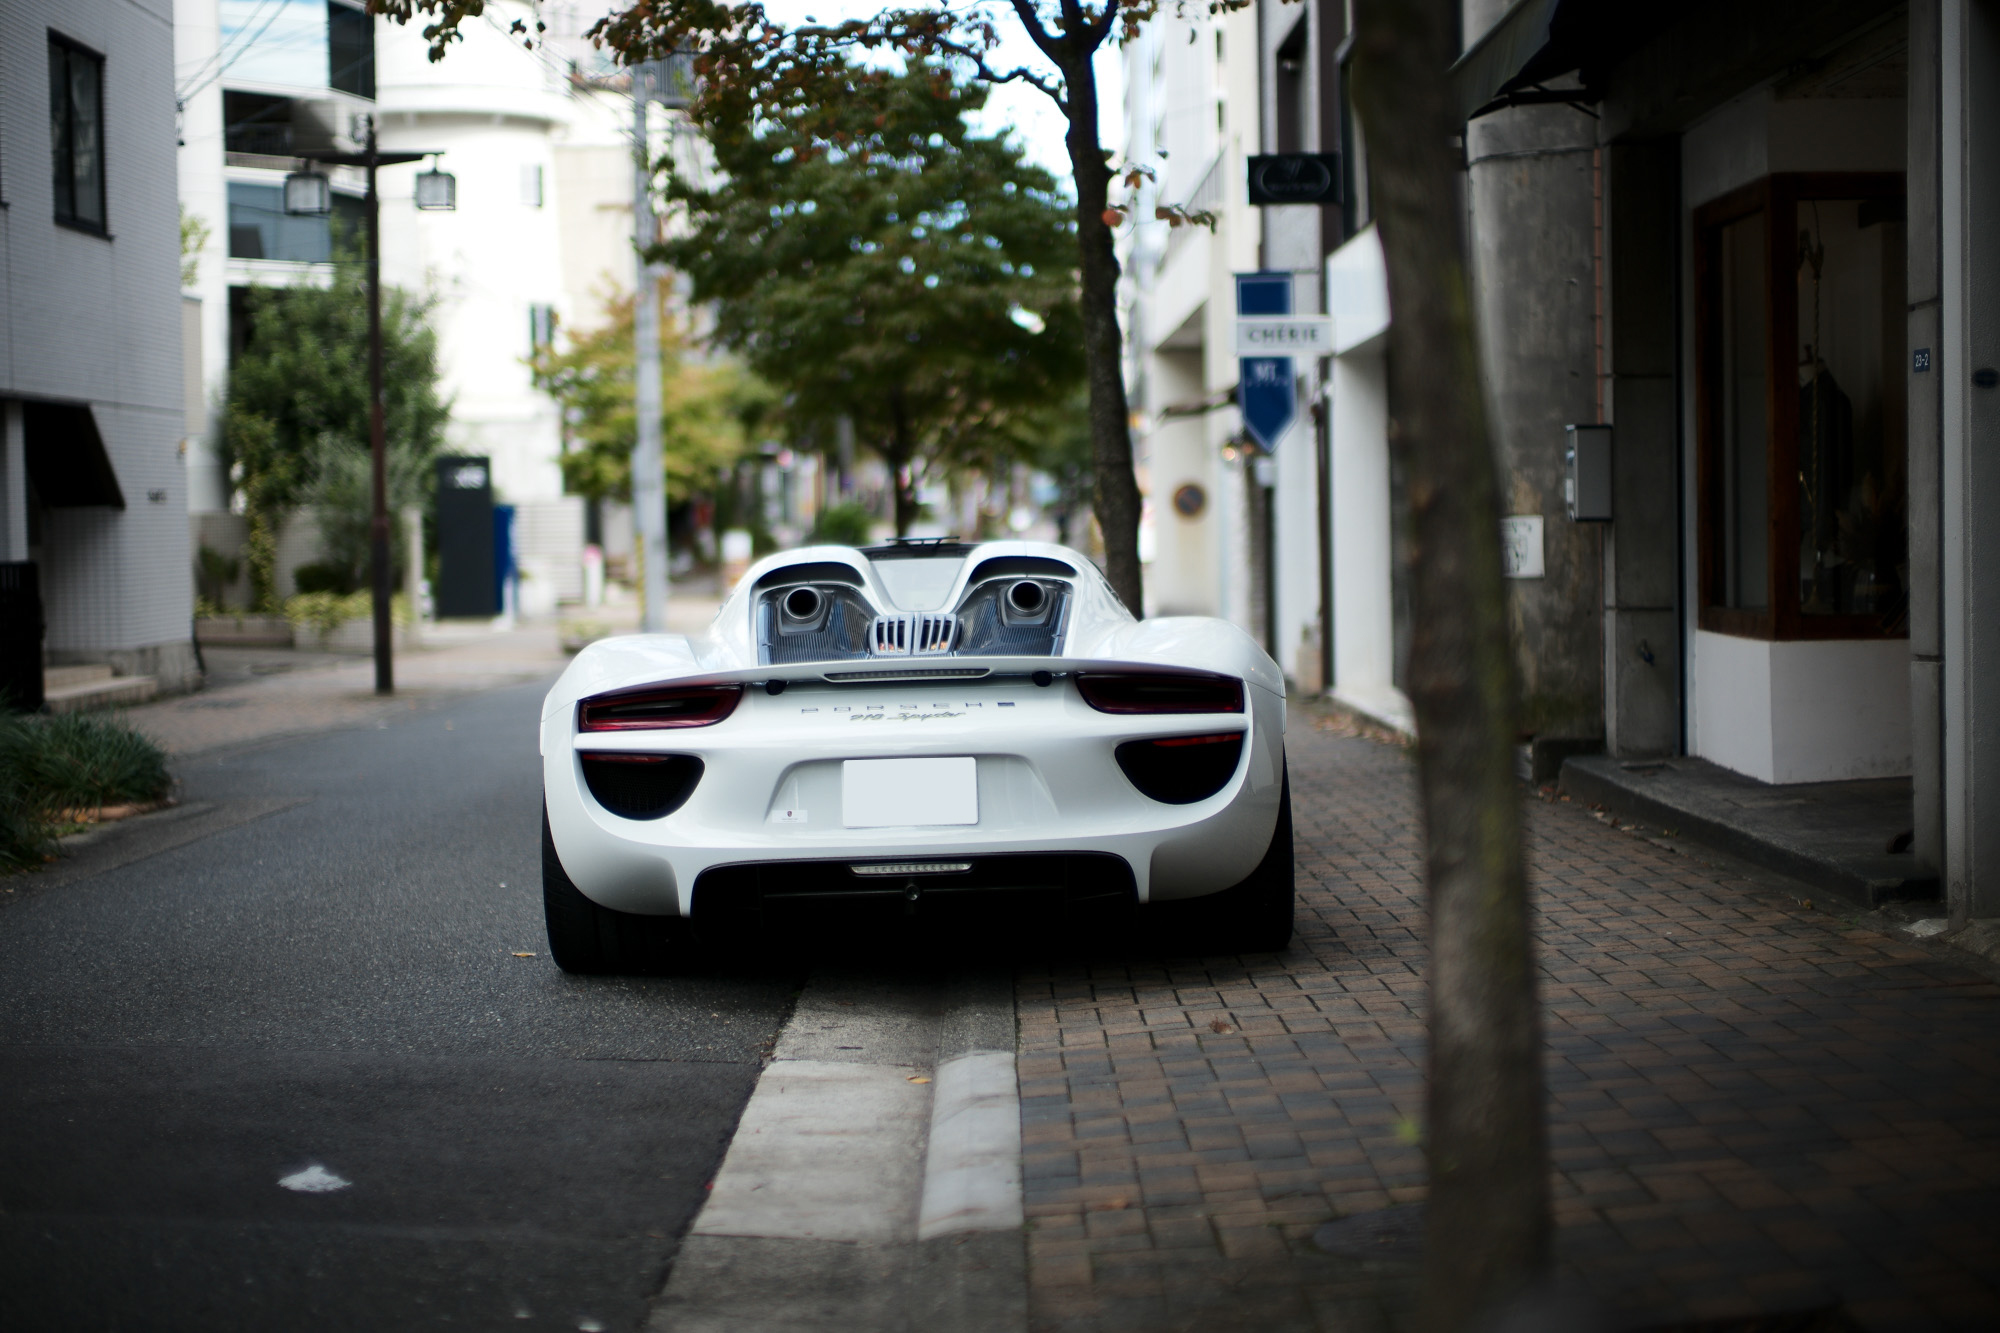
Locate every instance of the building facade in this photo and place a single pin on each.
(1745, 238)
(93, 486)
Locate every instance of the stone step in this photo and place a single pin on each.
(63, 677)
(106, 691)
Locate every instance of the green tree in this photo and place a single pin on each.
(296, 413)
(871, 257)
(742, 55)
(708, 409)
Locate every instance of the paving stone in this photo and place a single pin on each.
(1754, 1106)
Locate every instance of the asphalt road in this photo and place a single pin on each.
(334, 986)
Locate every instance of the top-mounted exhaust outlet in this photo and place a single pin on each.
(802, 605)
(1027, 597)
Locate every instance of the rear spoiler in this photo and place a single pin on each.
(914, 671)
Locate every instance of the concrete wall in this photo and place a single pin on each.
(1642, 550)
(1530, 195)
(1802, 710)
(1969, 342)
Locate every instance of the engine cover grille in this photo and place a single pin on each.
(917, 634)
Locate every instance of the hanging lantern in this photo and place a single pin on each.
(437, 191)
(308, 194)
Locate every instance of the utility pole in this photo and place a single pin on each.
(307, 194)
(378, 443)
(649, 478)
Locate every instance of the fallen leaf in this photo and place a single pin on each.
(918, 1078)
(1114, 1205)
(520, 954)
(1219, 1026)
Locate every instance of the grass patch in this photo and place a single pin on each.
(74, 761)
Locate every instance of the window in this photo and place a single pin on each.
(350, 49)
(541, 327)
(1801, 408)
(256, 123)
(76, 133)
(531, 186)
(259, 227)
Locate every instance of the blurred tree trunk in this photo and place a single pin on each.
(1487, 1219)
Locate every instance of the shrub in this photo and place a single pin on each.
(325, 612)
(324, 576)
(73, 761)
(843, 525)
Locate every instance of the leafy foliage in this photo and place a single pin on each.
(708, 410)
(874, 259)
(296, 421)
(50, 766)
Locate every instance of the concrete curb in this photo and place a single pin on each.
(874, 1180)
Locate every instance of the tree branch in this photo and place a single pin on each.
(1025, 11)
(985, 73)
(1100, 29)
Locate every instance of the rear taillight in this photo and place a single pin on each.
(657, 709)
(1159, 692)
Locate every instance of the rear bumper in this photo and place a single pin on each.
(1048, 785)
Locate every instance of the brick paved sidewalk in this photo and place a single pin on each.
(1755, 1106)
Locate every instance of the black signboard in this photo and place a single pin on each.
(1295, 178)
(465, 537)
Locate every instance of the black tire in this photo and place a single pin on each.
(595, 941)
(1255, 916)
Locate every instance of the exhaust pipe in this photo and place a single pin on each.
(1027, 597)
(802, 605)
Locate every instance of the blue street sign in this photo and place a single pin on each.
(1264, 387)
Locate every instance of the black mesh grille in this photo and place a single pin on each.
(1181, 770)
(641, 786)
(782, 892)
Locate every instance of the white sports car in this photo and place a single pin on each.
(913, 730)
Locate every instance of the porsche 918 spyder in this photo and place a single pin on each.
(923, 729)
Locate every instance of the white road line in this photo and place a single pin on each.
(972, 1171)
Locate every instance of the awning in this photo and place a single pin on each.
(1537, 41)
(1497, 63)
(66, 459)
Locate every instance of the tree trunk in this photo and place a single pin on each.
(1115, 496)
(900, 451)
(1487, 1226)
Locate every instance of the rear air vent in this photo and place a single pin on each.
(641, 786)
(1180, 770)
(922, 634)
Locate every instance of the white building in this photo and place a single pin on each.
(259, 81)
(1191, 114)
(496, 112)
(92, 485)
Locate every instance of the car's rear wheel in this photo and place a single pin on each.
(1255, 915)
(596, 941)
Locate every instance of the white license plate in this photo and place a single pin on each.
(904, 793)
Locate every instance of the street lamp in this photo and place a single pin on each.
(444, 196)
(308, 194)
(437, 191)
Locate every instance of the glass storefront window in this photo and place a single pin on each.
(1852, 407)
(1746, 467)
(1801, 408)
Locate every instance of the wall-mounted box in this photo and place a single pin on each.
(1587, 475)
